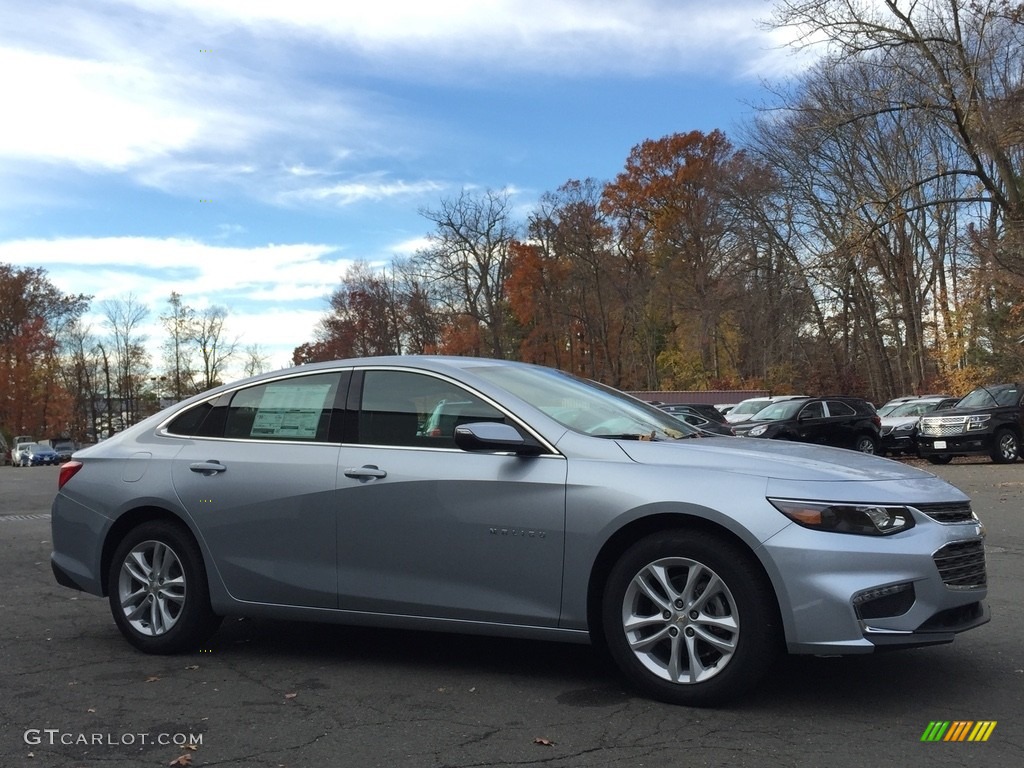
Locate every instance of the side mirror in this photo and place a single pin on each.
(492, 436)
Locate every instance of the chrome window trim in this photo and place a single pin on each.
(161, 429)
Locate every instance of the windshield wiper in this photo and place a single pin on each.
(645, 437)
(651, 437)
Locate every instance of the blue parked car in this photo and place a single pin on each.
(36, 455)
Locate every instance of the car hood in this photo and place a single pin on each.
(966, 411)
(749, 424)
(895, 421)
(771, 459)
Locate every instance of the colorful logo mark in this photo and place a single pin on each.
(958, 730)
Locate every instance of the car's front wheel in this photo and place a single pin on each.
(158, 590)
(1006, 447)
(689, 618)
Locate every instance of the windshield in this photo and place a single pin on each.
(784, 410)
(749, 406)
(987, 397)
(586, 406)
(911, 409)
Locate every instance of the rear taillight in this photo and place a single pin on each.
(67, 470)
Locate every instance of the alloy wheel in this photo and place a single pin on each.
(152, 588)
(680, 620)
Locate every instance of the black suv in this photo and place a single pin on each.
(845, 422)
(988, 421)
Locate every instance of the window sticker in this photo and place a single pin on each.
(290, 410)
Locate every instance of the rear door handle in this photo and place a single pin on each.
(366, 472)
(210, 467)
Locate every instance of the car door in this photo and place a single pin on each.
(258, 475)
(426, 529)
(840, 425)
(811, 423)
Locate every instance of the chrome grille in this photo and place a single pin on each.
(962, 564)
(954, 512)
(942, 426)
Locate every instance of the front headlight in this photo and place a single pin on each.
(906, 427)
(978, 422)
(758, 431)
(861, 519)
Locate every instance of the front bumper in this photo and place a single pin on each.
(895, 442)
(929, 581)
(959, 445)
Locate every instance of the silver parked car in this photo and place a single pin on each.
(483, 496)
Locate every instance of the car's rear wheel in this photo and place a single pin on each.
(866, 444)
(158, 590)
(689, 619)
(1006, 447)
(940, 458)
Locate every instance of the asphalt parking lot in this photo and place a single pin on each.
(288, 694)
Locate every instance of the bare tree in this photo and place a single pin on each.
(256, 360)
(123, 318)
(180, 325)
(959, 63)
(82, 375)
(214, 349)
(465, 266)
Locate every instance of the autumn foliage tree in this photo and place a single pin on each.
(367, 317)
(33, 315)
(681, 239)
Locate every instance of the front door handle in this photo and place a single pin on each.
(365, 472)
(210, 467)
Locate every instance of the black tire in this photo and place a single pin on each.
(731, 634)
(865, 444)
(1005, 446)
(158, 591)
(940, 458)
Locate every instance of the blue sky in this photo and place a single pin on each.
(244, 152)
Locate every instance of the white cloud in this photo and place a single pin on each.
(575, 36)
(374, 188)
(120, 117)
(275, 294)
(204, 97)
(409, 247)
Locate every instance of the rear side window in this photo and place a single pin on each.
(839, 408)
(288, 409)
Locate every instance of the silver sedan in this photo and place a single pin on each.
(483, 496)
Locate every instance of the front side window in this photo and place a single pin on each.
(403, 408)
(813, 411)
